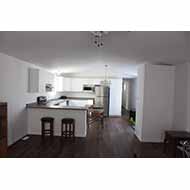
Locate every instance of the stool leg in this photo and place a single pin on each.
(165, 143)
(70, 130)
(43, 130)
(164, 149)
(62, 130)
(74, 130)
(51, 130)
(66, 131)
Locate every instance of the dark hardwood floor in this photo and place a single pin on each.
(115, 140)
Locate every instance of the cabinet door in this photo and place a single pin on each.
(66, 84)
(44, 79)
(77, 84)
(58, 83)
(33, 80)
(37, 80)
(50, 78)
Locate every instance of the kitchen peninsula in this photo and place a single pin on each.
(70, 108)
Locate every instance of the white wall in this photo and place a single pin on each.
(158, 102)
(115, 97)
(13, 89)
(140, 101)
(188, 97)
(181, 90)
(182, 98)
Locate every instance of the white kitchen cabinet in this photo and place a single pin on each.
(62, 84)
(38, 79)
(58, 83)
(67, 84)
(77, 84)
(33, 80)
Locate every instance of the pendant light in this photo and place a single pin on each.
(106, 81)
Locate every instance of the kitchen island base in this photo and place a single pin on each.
(35, 114)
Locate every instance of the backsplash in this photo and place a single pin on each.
(76, 94)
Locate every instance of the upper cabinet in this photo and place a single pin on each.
(69, 84)
(77, 84)
(63, 84)
(58, 83)
(40, 81)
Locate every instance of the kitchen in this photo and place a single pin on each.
(58, 74)
(73, 98)
(69, 91)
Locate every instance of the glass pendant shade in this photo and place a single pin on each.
(106, 81)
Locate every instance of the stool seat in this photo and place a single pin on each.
(68, 120)
(50, 121)
(47, 119)
(68, 127)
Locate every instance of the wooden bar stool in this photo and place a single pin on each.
(49, 131)
(68, 127)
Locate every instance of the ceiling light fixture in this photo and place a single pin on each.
(106, 81)
(98, 38)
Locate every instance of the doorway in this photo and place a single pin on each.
(129, 98)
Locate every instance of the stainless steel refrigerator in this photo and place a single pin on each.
(102, 98)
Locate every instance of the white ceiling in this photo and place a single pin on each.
(73, 53)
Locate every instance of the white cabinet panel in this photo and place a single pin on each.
(42, 80)
(33, 80)
(38, 79)
(67, 84)
(77, 84)
(58, 83)
(73, 84)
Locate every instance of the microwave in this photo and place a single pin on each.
(88, 88)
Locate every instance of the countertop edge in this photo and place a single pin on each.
(35, 106)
